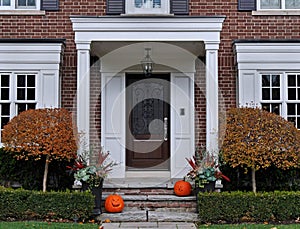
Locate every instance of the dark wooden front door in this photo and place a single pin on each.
(148, 118)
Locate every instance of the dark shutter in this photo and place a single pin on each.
(114, 7)
(50, 5)
(179, 7)
(247, 5)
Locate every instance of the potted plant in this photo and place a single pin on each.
(92, 176)
(205, 170)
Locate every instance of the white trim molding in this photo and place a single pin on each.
(255, 57)
(147, 29)
(40, 57)
(153, 29)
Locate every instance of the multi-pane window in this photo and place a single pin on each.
(147, 7)
(4, 2)
(26, 3)
(26, 92)
(17, 94)
(5, 99)
(147, 3)
(280, 94)
(279, 4)
(19, 4)
(293, 94)
(271, 96)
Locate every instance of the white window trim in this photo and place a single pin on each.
(282, 91)
(41, 59)
(13, 90)
(132, 10)
(15, 100)
(269, 12)
(14, 6)
(284, 101)
(257, 58)
(282, 6)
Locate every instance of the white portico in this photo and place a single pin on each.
(169, 39)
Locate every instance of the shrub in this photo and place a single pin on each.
(268, 179)
(43, 134)
(33, 205)
(29, 173)
(237, 207)
(257, 139)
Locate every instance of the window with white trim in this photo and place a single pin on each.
(280, 94)
(278, 4)
(17, 93)
(270, 93)
(147, 6)
(19, 4)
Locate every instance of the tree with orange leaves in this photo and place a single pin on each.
(257, 139)
(44, 134)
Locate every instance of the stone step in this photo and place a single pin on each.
(150, 204)
(162, 215)
(144, 182)
(171, 215)
(153, 202)
(152, 197)
(140, 191)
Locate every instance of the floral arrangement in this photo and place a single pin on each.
(205, 168)
(93, 175)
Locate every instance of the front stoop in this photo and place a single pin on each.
(149, 216)
(152, 205)
(162, 225)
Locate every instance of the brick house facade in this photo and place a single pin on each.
(216, 54)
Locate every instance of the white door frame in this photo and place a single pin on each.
(201, 29)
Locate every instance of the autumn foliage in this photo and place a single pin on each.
(257, 139)
(46, 134)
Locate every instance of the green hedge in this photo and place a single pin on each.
(236, 207)
(34, 205)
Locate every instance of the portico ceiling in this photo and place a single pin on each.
(101, 48)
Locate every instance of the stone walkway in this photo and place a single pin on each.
(147, 225)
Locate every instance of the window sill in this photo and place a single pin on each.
(22, 12)
(276, 12)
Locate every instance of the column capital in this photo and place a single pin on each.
(211, 45)
(83, 46)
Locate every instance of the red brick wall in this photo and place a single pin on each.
(237, 25)
(241, 25)
(55, 24)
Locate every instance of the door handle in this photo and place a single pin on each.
(165, 129)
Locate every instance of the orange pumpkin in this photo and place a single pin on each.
(114, 203)
(182, 188)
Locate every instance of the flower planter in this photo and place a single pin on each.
(209, 187)
(97, 192)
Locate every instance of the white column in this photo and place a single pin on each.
(83, 92)
(212, 106)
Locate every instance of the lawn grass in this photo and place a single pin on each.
(45, 225)
(251, 226)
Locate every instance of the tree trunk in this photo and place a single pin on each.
(253, 180)
(45, 174)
